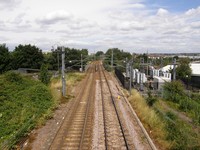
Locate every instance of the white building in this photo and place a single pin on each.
(158, 82)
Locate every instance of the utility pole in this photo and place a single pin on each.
(63, 73)
(147, 63)
(127, 67)
(174, 70)
(112, 59)
(141, 77)
(81, 63)
(58, 59)
(131, 76)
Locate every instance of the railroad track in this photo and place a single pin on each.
(99, 120)
(115, 137)
(75, 130)
(118, 132)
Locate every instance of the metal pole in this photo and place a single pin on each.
(130, 83)
(58, 59)
(81, 62)
(127, 67)
(174, 70)
(112, 59)
(147, 64)
(63, 73)
(142, 71)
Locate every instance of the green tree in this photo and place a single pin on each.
(174, 91)
(183, 71)
(27, 56)
(118, 56)
(44, 74)
(99, 53)
(53, 59)
(4, 58)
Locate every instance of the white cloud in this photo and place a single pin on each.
(162, 12)
(193, 11)
(55, 17)
(136, 6)
(95, 24)
(9, 4)
(195, 25)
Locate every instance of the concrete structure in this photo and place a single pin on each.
(158, 82)
(195, 77)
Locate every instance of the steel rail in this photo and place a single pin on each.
(102, 98)
(86, 115)
(74, 105)
(120, 123)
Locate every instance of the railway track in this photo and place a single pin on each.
(99, 120)
(115, 137)
(117, 127)
(75, 131)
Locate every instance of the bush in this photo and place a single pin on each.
(44, 74)
(174, 91)
(13, 77)
(151, 99)
(180, 134)
(21, 106)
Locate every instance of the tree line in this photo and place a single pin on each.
(30, 56)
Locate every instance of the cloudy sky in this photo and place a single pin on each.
(132, 25)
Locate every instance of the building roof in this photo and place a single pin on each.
(167, 68)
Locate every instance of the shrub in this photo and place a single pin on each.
(151, 99)
(44, 74)
(174, 91)
(13, 77)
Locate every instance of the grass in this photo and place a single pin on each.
(181, 133)
(151, 120)
(168, 130)
(56, 86)
(23, 104)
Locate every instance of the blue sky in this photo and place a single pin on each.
(174, 5)
(131, 25)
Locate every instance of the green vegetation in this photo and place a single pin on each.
(23, 104)
(56, 86)
(183, 71)
(4, 59)
(44, 74)
(151, 99)
(174, 92)
(181, 134)
(26, 103)
(168, 129)
(27, 56)
(30, 56)
(72, 58)
(151, 120)
(119, 57)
